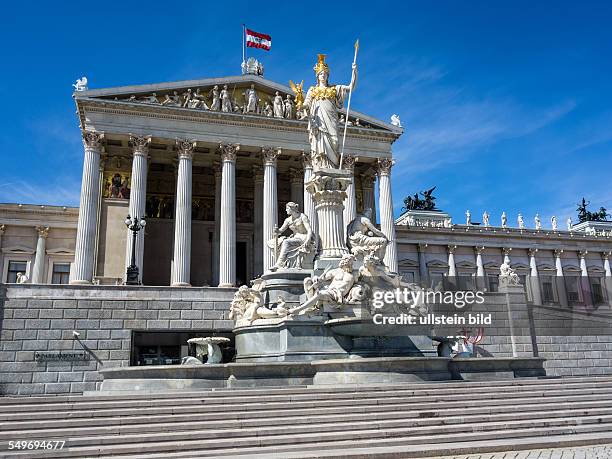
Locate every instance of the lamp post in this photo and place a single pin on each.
(134, 224)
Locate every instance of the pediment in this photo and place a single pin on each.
(437, 264)
(180, 96)
(407, 263)
(18, 249)
(464, 264)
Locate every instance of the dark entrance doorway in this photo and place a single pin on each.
(241, 263)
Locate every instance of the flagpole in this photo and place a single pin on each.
(243, 43)
(348, 105)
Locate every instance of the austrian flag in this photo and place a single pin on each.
(258, 40)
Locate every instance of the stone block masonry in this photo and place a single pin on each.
(43, 317)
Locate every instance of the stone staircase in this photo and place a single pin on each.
(383, 421)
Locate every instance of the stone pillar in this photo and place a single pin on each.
(2, 230)
(560, 278)
(452, 270)
(270, 203)
(369, 198)
(258, 181)
(328, 189)
(423, 274)
(296, 178)
(309, 206)
(480, 272)
(506, 253)
(350, 205)
(181, 268)
(387, 222)
(216, 239)
(38, 271)
(227, 228)
(138, 198)
(534, 278)
(585, 285)
(82, 269)
(608, 274)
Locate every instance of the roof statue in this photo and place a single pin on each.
(416, 203)
(395, 120)
(586, 216)
(252, 67)
(81, 84)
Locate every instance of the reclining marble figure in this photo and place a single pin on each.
(248, 306)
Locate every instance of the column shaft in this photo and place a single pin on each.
(138, 198)
(387, 223)
(423, 274)
(270, 204)
(452, 270)
(608, 275)
(181, 275)
(534, 278)
(309, 206)
(561, 292)
(38, 271)
(258, 181)
(369, 197)
(480, 272)
(350, 205)
(216, 239)
(227, 229)
(296, 178)
(82, 269)
(2, 229)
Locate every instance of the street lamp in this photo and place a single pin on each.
(134, 224)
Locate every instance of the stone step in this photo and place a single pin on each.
(407, 419)
(418, 395)
(407, 411)
(574, 443)
(352, 404)
(318, 441)
(255, 392)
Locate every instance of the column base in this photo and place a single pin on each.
(226, 285)
(80, 282)
(181, 284)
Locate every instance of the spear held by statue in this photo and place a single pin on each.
(348, 105)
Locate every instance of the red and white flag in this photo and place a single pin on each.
(258, 40)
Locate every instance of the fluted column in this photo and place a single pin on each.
(216, 239)
(480, 272)
(387, 222)
(82, 269)
(350, 205)
(38, 271)
(423, 274)
(2, 230)
(309, 206)
(270, 203)
(296, 181)
(534, 278)
(452, 269)
(608, 273)
(138, 198)
(584, 278)
(181, 268)
(369, 198)
(227, 229)
(258, 181)
(560, 278)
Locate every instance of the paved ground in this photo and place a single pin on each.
(586, 452)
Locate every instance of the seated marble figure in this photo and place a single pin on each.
(298, 249)
(364, 238)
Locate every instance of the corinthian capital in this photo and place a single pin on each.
(270, 154)
(385, 165)
(43, 231)
(348, 162)
(185, 148)
(229, 151)
(92, 140)
(307, 159)
(140, 144)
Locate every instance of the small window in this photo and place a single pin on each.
(61, 273)
(15, 267)
(548, 292)
(572, 288)
(493, 281)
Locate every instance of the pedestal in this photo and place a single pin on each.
(328, 190)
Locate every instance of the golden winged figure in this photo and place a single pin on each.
(299, 93)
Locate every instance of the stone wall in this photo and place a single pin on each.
(42, 318)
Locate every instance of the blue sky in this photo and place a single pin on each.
(506, 105)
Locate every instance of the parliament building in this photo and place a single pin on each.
(210, 172)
